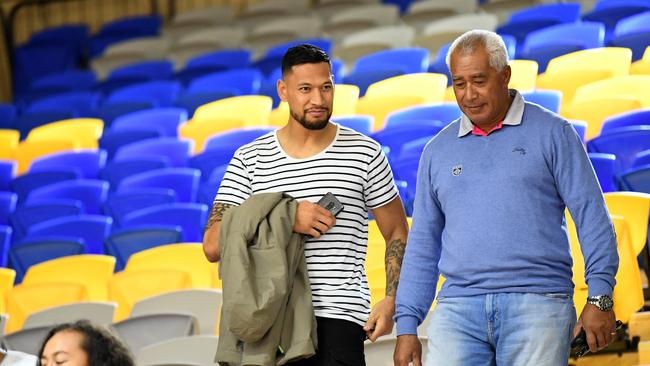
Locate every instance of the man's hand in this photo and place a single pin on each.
(599, 326)
(380, 321)
(312, 219)
(408, 349)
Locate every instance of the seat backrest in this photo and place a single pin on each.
(100, 313)
(29, 214)
(183, 181)
(634, 207)
(7, 278)
(254, 110)
(145, 330)
(123, 243)
(27, 340)
(193, 350)
(431, 87)
(177, 151)
(88, 163)
(165, 120)
(25, 254)
(190, 216)
(91, 271)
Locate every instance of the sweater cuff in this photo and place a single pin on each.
(407, 325)
(599, 287)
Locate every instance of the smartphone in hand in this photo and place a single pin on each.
(331, 203)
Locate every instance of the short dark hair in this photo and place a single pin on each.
(303, 54)
(101, 347)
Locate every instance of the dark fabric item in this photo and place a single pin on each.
(340, 343)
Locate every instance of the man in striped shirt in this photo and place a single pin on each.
(307, 158)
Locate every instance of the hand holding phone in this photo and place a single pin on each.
(579, 344)
(331, 203)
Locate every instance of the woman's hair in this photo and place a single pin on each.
(101, 347)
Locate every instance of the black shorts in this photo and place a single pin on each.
(340, 343)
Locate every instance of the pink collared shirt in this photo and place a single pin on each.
(477, 131)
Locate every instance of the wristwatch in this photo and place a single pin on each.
(602, 302)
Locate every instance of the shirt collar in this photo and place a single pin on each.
(513, 117)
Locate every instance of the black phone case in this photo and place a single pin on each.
(331, 204)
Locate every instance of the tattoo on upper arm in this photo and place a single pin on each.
(217, 213)
(394, 256)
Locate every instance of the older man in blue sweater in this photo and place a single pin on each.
(489, 216)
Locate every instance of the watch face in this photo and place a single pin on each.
(605, 303)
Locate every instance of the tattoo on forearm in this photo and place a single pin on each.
(394, 256)
(217, 213)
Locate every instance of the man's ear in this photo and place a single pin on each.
(507, 72)
(282, 90)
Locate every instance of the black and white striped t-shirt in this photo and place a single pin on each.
(356, 171)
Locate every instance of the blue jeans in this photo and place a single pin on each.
(508, 329)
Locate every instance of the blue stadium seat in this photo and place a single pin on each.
(109, 112)
(120, 204)
(68, 80)
(28, 252)
(111, 141)
(92, 193)
(122, 243)
(604, 165)
(236, 138)
(549, 99)
(610, 12)
(73, 35)
(88, 163)
(7, 173)
(580, 127)
(92, 229)
(363, 79)
(413, 150)
(28, 63)
(359, 123)
(160, 93)
(192, 217)
(25, 183)
(165, 120)
(443, 112)
(80, 103)
(191, 101)
(395, 137)
(280, 49)
(8, 201)
(7, 115)
(123, 29)
(115, 171)
(27, 215)
(545, 44)
(146, 70)
(177, 151)
(5, 242)
(208, 189)
(207, 161)
(625, 143)
(269, 86)
(642, 158)
(183, 181)
(28, 121)
(637, 179)
(634, 33)
(212, 62)
(407, 60)
(405, 171)
(237, 81)
(533, 18)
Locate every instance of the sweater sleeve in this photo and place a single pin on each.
(579, 188)
(419, 274)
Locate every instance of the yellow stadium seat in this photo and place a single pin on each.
(630, 86)
(628, 292)
(642, 66)
(428, 86)
(634, 207)
(644, 353)
(253, 110)
(128, 287)
(616, 60)
(346, 98)
(8, 143)
(280, 115)
(24, 300)
(188, 257)
(7, 277)
(27, 151)
(568, 82)
(450, 96)
(85, 132)
(91, 271)
(200, 131)
(524, 75)
(380, 107)
(595, 111)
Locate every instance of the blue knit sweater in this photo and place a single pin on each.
(489, 214)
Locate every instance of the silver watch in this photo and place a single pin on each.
(602, 302)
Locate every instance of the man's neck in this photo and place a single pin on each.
(300, 142)
(487, 127)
